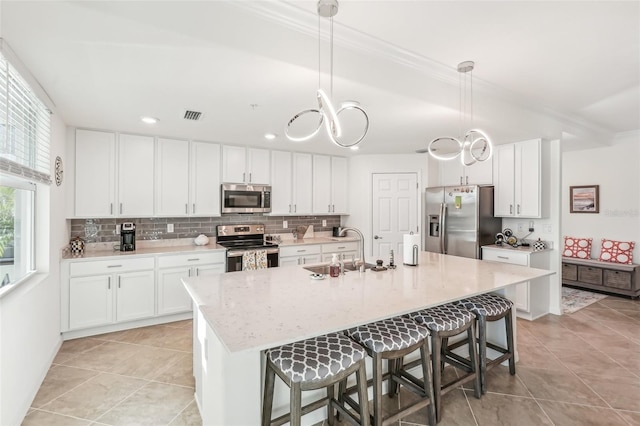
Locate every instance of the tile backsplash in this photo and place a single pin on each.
(104, 230)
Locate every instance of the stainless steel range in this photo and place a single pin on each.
(239, 239)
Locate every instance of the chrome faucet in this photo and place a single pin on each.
(343, 232)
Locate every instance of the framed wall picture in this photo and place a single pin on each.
(584, 199)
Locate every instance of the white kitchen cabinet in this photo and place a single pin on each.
(519, 180)
(291, 183)
(187, 178)
(346, 251)
(306, 254)
(108, 291)
(135, 175)
(95, 174)
(530, 298)
(330, 175)
(454, 173)
(172, 296)
(245, 165)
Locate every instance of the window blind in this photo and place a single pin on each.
(24, 127)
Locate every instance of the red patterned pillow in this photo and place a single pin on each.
(617, 251)
(577, 247)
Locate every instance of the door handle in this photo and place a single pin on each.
(249, 177)
(375, 237)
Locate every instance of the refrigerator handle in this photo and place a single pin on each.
(443, 229)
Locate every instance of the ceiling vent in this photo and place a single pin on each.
(192, 115)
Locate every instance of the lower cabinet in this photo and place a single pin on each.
(98, 295)
(172, 296)
(300, 255)
(347, 251)
(530, 298)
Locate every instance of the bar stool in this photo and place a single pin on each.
(315, 363)
(491, 307)
(392, 339)
(443, 322)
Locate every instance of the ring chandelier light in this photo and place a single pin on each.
(476, 145)
(327, 112)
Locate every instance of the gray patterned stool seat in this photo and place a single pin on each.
(487, 304)
(392, 339)
(319, 362)
(393, 334)
(446, 321)
(443, 318)
(491, 307)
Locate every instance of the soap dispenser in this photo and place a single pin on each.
(334, 266)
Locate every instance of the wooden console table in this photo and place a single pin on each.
(604, 276)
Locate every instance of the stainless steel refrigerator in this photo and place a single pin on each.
(459, 220)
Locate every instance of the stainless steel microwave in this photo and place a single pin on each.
(241, 198)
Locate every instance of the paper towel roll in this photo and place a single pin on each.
(410, 249)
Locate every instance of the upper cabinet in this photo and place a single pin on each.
(245, 165)
(454, 173)
(291, 183)
(187, 179)
(95, 174)
(329, 185)
(519, 180)
(96, 178)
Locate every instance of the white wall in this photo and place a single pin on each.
(30, 314)
(616, 169)
(361, 169)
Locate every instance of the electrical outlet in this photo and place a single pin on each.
(324, 222)
(520, 228)
(285, 225)
(118, 229)
(169, 227)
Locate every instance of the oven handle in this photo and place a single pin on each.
(238, 253)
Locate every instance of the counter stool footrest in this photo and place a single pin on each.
(305, 410)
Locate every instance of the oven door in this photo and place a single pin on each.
(234, 259)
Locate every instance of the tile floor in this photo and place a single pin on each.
(576, 369)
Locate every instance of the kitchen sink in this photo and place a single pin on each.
(324, 268)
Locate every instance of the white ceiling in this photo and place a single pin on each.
(551, 69)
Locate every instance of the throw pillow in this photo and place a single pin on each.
(577, 247)
(617, 251)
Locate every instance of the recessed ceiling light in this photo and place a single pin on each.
(270, 136)
(149, 120)
(355, 148)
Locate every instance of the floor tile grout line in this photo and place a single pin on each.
(181, 411)
(59, 414)
(122, 400)
(73, 388)
(473, 415)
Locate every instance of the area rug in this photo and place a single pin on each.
(573, 300)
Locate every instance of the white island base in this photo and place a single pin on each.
(238, 315)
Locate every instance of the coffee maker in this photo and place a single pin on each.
(128, 236)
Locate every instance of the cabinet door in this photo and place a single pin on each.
(172, 179)
(302, 187)
(205, 179)
(522, 297)
(281, 182)
(504, 181)
(528, 179)
(451, 172)
(135, 295)
(208, 270)
(95, 177)
(258, 166)
(135, 176)
(289, 261)
(172, 296)
(234, 164)
(90, 301)
(339, 188)
(310, 259)
(321, 184)
(479, 173)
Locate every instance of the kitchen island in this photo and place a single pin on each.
(240, 314)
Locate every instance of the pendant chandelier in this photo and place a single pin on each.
(475, 146)
(327, 113)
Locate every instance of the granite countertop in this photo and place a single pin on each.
(143, 248)
(257, 310)
(317, 240)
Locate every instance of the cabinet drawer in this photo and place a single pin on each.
(303, 250)
(111, 266)
(617, 279)
(339, 247)
(505, 256)
(196, 258)
(569, 272)
(590, 275)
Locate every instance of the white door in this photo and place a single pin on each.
(281, 182)
(395, 212)
(90, 301)
(135, 176)
(339, 189)
(205, 179)
(321, 184)
(172, 178)
(172, 296)
(258, 166)
(234, 164)
(95, 174)
(135, 295)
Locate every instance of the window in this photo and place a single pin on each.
(24, 161)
